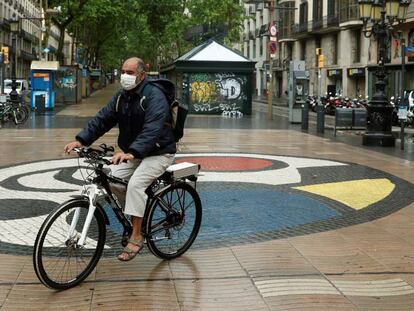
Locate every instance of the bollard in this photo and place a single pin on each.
(305, 115)
(320, 119)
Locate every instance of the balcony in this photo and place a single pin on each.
(259, 6)
(28, 36)
(349, 12)
(317, 24)
(4, 23)
(27, 56)
(333, 20)
(303, 27)
(251, 35)
(286, 32)
(252, 11)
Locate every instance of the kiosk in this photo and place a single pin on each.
(298, 90)
(42, 76)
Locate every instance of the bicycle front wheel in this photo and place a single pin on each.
(173, 222)
(58, 260)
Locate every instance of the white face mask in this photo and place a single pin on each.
(128, 82)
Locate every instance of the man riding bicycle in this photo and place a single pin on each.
(146, 140)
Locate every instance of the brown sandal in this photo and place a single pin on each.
(130, 252)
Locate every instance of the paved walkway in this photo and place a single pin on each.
(291, 220)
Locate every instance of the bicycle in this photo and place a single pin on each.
(17, 112)
(71, 240)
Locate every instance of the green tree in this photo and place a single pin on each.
(70, 11)
(110, 31)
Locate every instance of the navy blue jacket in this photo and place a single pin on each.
(143, 131)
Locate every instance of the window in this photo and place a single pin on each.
(303, 50)
(287, 20)
(317, 10)
(335, 50)
(248, 50)
(356, 46)
(332, 7)
(303, 13)
(349, 10)
(261, 46)
(254, 49)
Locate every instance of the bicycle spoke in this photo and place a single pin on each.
(173, 233)
(62, 262)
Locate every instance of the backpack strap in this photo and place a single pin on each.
(143, 94)
(146, 90)
(117, 103)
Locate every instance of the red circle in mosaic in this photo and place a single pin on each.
(228, 163)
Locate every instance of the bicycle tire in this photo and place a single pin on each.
(20, 114)
(46, 253)
(160, 242)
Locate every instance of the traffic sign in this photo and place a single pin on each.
(272, 47)
(273, 29)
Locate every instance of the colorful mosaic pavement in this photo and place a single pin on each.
(245, 197)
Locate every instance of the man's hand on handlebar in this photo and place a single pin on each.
(121, 157)
(69, 147)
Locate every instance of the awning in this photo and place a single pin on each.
(356, 72)
(334, 72)
(44, 65)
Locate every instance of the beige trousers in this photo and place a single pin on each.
(141, 174)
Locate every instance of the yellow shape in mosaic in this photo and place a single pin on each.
(356, 194)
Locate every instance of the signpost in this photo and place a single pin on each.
(272, 49)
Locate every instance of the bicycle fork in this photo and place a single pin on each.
(92, 191)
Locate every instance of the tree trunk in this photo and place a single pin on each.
(59, 53)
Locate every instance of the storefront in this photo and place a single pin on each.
(334, 78)
(356, 82)
(394, 79)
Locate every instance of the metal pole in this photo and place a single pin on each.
(40, 29)
(13, 93)
(2, 74)
(270, 90)
(402, 88)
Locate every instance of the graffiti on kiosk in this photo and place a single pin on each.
(67, 82)
(217, 92)
(219, 108)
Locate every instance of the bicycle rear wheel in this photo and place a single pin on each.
(173, 222)
(59, 262)
(20, 114)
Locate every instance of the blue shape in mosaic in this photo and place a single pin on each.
(233, 211)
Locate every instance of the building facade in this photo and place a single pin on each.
(27, 40)
(332, 28)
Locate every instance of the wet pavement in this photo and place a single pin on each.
(292, 220)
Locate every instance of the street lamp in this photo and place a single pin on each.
(14, 28)
(382, 14)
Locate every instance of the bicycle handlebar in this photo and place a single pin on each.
(95, 155)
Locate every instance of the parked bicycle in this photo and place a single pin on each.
(12, 111)
(71, 240)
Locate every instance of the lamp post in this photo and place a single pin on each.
(14, 28)
(382, 14)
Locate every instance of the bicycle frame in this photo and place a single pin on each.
(100, 186)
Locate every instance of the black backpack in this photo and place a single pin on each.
(178, 110)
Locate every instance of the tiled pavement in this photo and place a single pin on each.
(367, 266)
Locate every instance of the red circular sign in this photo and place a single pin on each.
(272, 46)
(228, 163)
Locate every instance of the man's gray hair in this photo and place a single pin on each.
(139, 62)
(140, 65)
